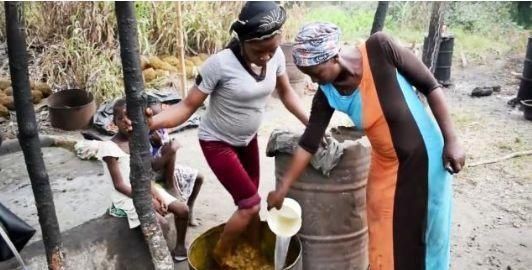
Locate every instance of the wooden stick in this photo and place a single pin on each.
(464, 59)
(181, 50)
(509, 156)
(430, 55)
(28, 135)
(380, 17)
(139, 145)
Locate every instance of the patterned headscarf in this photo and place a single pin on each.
(259, 20)
(316, 43)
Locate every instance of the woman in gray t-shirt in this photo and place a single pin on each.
(239, 80)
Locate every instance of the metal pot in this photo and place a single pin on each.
(199, 253)
(527, 105)
(71, 109)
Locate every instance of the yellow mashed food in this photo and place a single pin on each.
(246, 257)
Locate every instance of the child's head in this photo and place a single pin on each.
(155, 105)
(120, 116)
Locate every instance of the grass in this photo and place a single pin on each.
(354, 23)
(76, 44)
(77, 64)
(463, 119)
(408, 22)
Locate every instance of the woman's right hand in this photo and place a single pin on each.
(300, 160)
(276, 198)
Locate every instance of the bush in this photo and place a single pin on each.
(481, 29)
(75, 44)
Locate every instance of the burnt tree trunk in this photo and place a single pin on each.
(28, 135)
(380, 17)
(430, 54)
(141, 171)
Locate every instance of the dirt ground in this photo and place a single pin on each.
(492, 222)
(492, 226)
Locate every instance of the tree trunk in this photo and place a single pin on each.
(380, 17)
(28, 135)
(432, 46)
(141, 171)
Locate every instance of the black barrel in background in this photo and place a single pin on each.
(525, 88)
(444, 61)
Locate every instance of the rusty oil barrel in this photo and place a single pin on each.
(334, 232)
(525, 87)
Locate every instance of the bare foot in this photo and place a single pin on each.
(194, 222)
(179, 254)
(218, 254)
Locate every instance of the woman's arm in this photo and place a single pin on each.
(420, 76)
(207, 81)
(290, 99)
(453, 153)
(178, 114)
(299, 162)
(320, 116)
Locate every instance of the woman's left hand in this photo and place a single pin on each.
(453, 157)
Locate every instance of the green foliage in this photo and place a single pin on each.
(75, 44)
(351, 19)
(479, 17)
(408, 16)
(481, 29)
(522, 13)
(354, 22)
(207, 25)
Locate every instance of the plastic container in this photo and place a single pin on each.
(286, 221)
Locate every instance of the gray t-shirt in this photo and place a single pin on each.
(238, 101)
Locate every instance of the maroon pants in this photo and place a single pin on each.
(237, 168)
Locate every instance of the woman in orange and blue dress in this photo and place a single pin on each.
(414, 155)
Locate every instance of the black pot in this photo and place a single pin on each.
(527, 104)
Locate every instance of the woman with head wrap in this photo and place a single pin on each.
(239, 80)
(413, 155)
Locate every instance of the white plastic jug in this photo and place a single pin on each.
(286, 221)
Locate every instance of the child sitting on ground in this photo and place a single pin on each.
(115, 154)
(181, 181)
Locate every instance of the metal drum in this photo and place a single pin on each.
(334, 231)
(525, 88)
(444, 61)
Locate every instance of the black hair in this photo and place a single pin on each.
(151, 100)
(119, 104)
